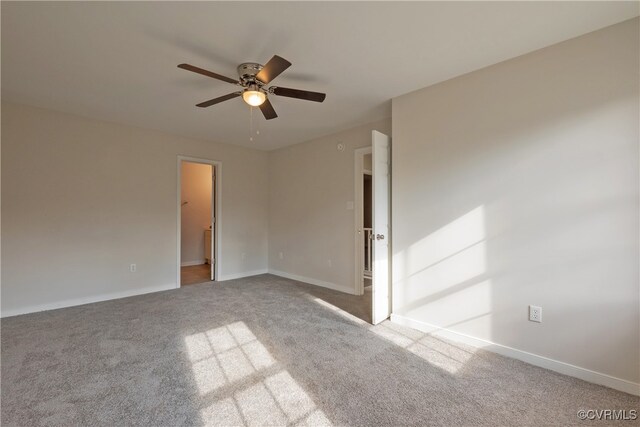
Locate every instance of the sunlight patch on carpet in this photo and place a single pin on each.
(231, 361)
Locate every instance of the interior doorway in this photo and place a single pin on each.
(364, 226)
(198, 221)
(367, 223)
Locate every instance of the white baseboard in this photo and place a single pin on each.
(533, 359)
(110, 296)
(84, 300)
(241, 275)
(190, 263)
(311, 281)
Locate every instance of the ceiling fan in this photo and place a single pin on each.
(253, 78)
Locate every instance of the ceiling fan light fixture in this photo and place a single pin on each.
(253, 97)
(252, 80)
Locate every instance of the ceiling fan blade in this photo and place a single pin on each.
(267, 110)
(272, 69)
(206, 73)
(299, 94)
(218, 100)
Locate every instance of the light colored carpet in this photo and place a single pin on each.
(265, 351)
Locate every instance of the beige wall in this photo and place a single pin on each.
(83, 199)
(310, 185)
(367, 162)
(518, 184)
(195, 212)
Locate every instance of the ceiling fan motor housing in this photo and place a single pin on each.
(247, 74)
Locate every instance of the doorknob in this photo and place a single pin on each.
(379, 236)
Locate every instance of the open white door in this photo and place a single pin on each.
(214, 228)
(381, 294)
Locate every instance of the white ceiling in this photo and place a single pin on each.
(116, 61)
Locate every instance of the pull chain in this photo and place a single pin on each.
(250, 123)
(258, 128)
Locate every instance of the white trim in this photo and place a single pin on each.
(217, 215)
(311, 281)
(85, 300)
(533, 359)
(359, 217)
(192, 263)
(234, 276)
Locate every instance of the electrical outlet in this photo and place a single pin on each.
(329, 262)
(132, 268)
(535, 313)
(281, 255)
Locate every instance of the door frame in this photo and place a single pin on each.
(215, 191)
(359, 216)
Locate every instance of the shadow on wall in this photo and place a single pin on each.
(453, 262)
(531, 199)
